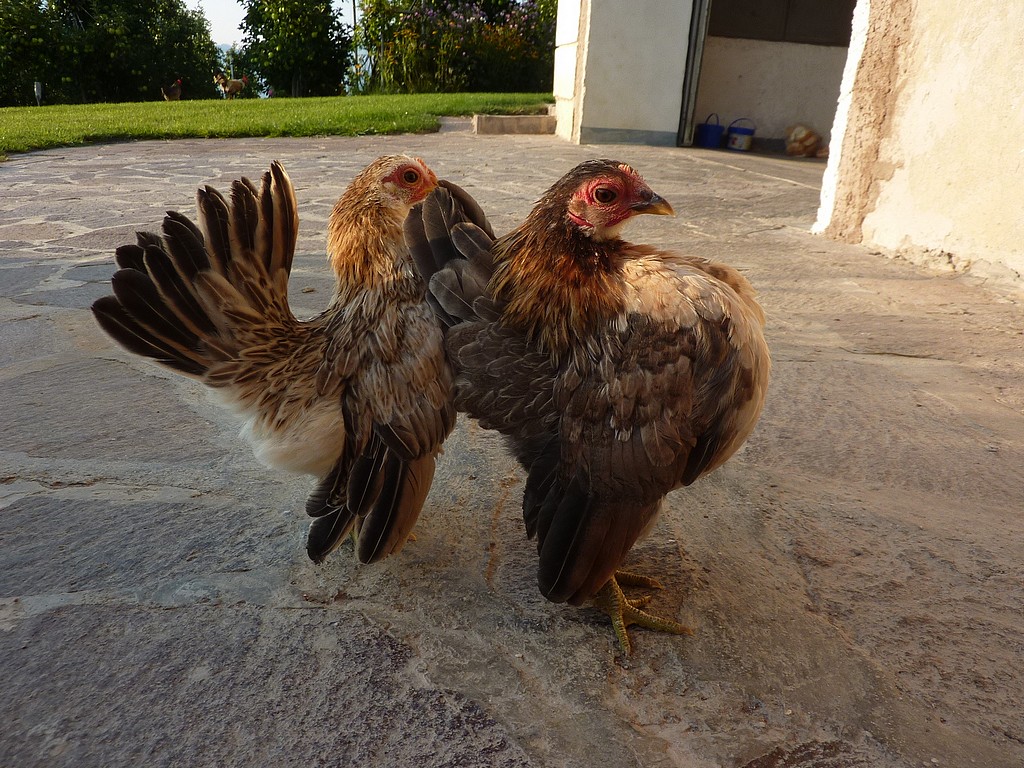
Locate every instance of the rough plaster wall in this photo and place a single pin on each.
(930, 164)
(956, 190)
(774, 84)
(568, 47)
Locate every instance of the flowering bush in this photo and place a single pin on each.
(455, 45)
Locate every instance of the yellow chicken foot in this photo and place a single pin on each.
(624, 611)
(631, 579)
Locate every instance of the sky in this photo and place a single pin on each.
(226, 15)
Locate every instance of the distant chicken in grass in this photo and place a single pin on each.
(619, 372)
(173, 91)
(358, 396)
(229, 87)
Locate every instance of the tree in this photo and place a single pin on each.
(103, 50)
(456, 45)
(26, 55)
(296, 46)
(125, 53)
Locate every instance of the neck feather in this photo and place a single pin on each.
(365, 244)
(558, 285)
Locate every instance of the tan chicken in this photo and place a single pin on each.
(618, 371)
(230, 88)
(358, 396)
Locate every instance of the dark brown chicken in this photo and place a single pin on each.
(617, 371)
(173, 91)
(359, 396)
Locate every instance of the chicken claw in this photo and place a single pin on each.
(625, 611)
(631, 579)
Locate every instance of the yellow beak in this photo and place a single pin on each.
(657, 205)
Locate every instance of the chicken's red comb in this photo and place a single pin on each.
(628, 169)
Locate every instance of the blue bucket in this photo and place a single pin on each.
(708, 134)
(738, 137)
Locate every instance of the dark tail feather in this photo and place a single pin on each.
(214, 214)
(470, 239)
(142, 301)
(440, 213)
(133, 336)
(148, 238)
(285, 220)
(186, 222)
(448, 289)
(366, 480)
(386, 527)
(471, 210)
(423, 257)
(328, 504)
(326, 534)
(245, 219)
(176, 293)
(185, 246)
(582, 540)
(416, 242)
(130, 257)
(427, 230)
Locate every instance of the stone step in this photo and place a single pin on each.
(517, 124)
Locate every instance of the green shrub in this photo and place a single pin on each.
(446, 46)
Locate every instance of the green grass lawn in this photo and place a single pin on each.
(23, 129)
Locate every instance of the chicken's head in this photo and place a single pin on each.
(601, 195)
(398, 181)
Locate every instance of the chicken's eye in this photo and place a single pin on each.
(411, 176)
(605, 195)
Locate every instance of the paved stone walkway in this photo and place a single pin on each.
(856, 574)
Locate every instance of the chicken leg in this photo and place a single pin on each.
(625, 611)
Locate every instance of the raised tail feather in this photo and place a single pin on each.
(450, 240)
(180, 297)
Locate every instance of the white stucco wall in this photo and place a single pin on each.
(773, 84)
(567, 30)
(951, 172)
(841, 124)
(627, 69)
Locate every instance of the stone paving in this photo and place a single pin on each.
(855, 574)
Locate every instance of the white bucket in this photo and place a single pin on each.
(740, 138)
